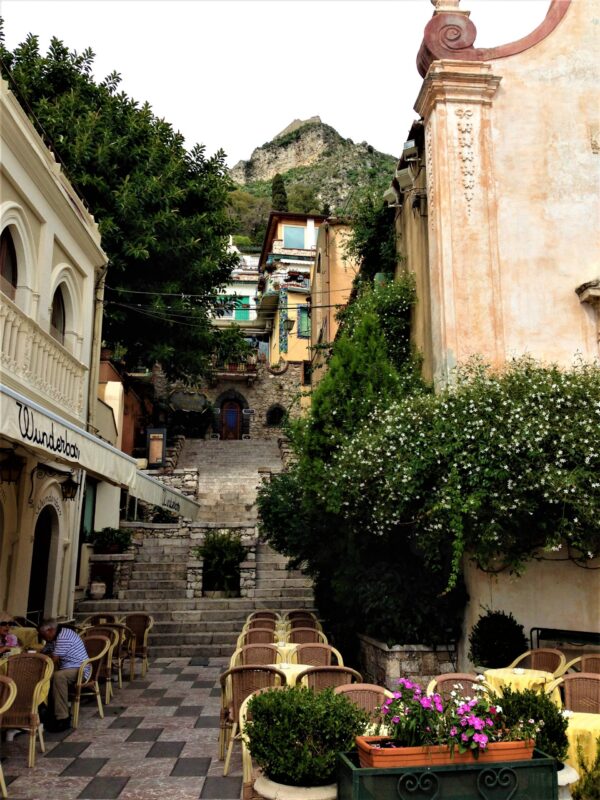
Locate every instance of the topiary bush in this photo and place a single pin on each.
(222, 552)
(295, 733)
(496, 639)
(531, 704)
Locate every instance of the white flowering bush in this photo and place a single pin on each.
(501, 466)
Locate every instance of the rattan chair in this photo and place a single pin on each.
(255, 654)
(581, 691)
(32, 672)
(590, 663)
(8, 693)
(319, 678)
(256, 636)
(306, 636)
(106, 669)
(260, 622)
(367, 696)
(236, 684)
(305, 622)
(317, 655)
(97, 648)
(296, 613)
(141, 625)
(265, 614)
(544, 658)
(461, 682)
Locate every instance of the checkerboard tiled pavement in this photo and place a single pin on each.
(158, 739)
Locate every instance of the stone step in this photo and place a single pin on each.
(283, 583)
(214, 637)
(207, 626)
(158, 575)
(296, 594)
(163, 585)
(152, 594)
(240, 604)
(188, 650)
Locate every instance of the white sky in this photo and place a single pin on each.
(234, 73)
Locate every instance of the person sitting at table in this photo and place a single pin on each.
(67, 650)
(7, 639)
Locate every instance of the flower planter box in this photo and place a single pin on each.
(435, 755)
(531, 779)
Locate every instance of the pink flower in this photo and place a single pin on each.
(453, 730)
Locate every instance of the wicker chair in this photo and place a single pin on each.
(141, 625)
(367, 696)
(97, 648)
(32, 673)
(126, 652)
(317, 655)
(318, 678)
(447, 682)
(260, 622)
(297, 613)
(581, 691)
(8, 692)
(306, 636)
(544, 658)
(256, 636)
(236, 684)
(255, 654)
(589, 663)
(264, 614)
(106, 669)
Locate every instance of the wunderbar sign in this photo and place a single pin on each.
(31, 432)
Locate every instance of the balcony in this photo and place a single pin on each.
(236, 371)
(38, 362)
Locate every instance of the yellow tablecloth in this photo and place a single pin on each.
(291, 671)
(286, 651)
(585, 729)
(523, 679)
(28, 637)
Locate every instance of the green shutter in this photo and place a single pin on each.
(242, 310)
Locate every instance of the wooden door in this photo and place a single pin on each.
(231, 419)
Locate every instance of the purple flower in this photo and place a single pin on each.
(395, 720)
(453, 730)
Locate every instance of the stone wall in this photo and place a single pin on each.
(383, 665)
(247, 568)
(271, 388)
(184, 480)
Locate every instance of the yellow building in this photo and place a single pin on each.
(55, 472)
(332, 277)
(284, 287)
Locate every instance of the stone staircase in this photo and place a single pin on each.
(199, 626)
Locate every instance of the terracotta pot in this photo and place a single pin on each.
(436, 754)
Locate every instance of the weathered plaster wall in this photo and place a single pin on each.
(534, 598)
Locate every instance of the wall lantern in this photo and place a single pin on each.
(288, 324)
(68, 486)
(10, 468)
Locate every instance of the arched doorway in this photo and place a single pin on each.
(40, 559)
(231, 420)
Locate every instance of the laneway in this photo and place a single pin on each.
(159, 739)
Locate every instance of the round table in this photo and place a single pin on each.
(291, 670)
(520, 679)
(583, 729)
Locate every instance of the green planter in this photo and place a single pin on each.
(533, 779)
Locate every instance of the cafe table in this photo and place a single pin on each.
(28, 637)
(583, 729)
(291, 670)
(286, 650)
(520, 679)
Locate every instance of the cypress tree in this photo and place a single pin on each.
(279, 200)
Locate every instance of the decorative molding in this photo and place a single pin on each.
(431, 196)
(450, 34)
(590, 293)
(466, 153)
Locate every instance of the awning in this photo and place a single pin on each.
(36, 428)
(153, 491)
(39, 429)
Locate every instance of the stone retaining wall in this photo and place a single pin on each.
(383, 665)
(247, 568)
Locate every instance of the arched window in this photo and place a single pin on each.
(8, 264)
(275, 416)
(57, 321)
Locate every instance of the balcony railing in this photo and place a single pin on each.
(37, 360)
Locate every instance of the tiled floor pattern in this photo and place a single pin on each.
(158, 739)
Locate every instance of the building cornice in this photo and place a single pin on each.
(457, 82)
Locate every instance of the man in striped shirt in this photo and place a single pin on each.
(67, 650)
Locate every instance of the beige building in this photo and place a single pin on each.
(498, 212)
(332, 277)
(55, 471)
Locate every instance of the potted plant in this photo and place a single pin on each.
(111, 540)
(462, 748)
(294, 735)
(222, 552)
(425, 730)
(496, 639)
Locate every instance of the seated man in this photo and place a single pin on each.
(67, 650)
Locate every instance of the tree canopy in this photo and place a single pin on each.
(161, 209)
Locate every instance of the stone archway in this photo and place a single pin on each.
(40, 587)
(230, 421)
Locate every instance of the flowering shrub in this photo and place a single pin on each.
(462, 722)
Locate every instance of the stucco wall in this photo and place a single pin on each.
(553, 593)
